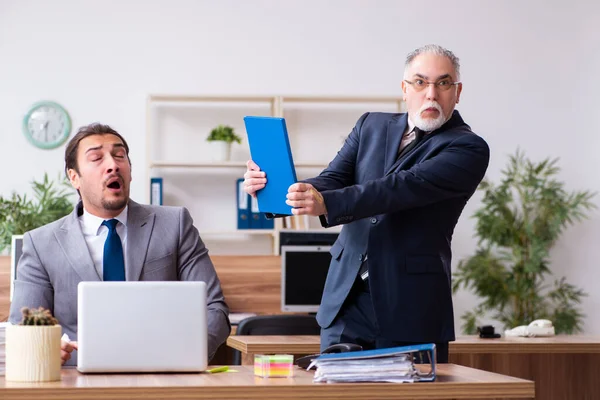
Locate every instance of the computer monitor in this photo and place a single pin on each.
(303, 273)
(16, 249)
(315, 237)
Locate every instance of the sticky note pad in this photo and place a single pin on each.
(271, 366)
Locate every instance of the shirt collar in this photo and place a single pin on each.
(93, 223)
(411, 125)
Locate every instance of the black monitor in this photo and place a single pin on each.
(307, 238)
(303, 273)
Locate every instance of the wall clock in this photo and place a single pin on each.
(47, 125)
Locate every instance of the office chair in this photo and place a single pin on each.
(276, 325)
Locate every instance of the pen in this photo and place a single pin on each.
(218, 369)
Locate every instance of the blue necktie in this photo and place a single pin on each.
(113, 264)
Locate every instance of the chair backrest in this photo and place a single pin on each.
(279, 325)
(276, 325)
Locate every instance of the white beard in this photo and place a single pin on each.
(429, 124)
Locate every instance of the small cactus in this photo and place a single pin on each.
(40, 316)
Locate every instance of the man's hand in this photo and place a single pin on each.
(254, 179)
(66, 348)
(306, 200)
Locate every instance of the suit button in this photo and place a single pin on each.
(360, 257)
(373, 220)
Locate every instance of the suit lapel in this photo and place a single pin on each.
(70, 238)
(395, 131)
(455, 121)
(140, 223)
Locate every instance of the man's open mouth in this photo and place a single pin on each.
(114, 184)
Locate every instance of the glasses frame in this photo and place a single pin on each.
(435, 85)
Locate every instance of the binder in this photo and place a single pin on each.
(243, 206)
(270, 150)
(156, 191)
(267, 223)
(255, 217)
(395, 364)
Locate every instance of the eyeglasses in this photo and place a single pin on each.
(443, 85)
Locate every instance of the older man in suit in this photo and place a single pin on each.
(399, 185)
(110, 237)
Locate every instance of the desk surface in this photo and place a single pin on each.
(463, 344)
(453, 382)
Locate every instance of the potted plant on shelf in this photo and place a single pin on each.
(19, 214)
(33, 347)
(519, 222)
(221, 139)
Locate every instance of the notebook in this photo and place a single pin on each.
(142, 327)
(270, 150)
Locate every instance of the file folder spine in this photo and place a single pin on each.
(156, 191)
(243, 206)
(255, 217)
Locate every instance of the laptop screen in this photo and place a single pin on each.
(16, 249)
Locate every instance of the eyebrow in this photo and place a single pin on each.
(445, 76)
(120, 145)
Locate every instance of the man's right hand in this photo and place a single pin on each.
(66, 348)
(254, 179)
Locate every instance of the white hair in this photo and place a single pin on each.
(437, 50)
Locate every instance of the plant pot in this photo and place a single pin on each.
(220, 150)
(33, 353)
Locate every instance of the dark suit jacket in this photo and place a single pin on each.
(402, 214)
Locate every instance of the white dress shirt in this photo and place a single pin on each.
(95, 235)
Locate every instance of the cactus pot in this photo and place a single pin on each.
(33, 353)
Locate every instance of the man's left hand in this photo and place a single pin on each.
(306, 200)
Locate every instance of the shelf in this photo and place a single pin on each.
(225, 164)
(208, 99)
(239, 232)
(176, 151)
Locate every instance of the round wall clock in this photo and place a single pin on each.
(47, 125)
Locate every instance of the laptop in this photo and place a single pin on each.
(142, 327)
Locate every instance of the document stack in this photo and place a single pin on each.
(3, 326)
(382, 365)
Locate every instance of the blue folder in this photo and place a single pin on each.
(270, 150)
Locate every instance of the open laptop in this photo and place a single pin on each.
(142, 327)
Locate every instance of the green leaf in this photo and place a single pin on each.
(19, 214)
(224, 133)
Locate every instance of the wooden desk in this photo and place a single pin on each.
(563, 367)
(293, 344)
(453, 382)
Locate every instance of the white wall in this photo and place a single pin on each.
(529, 72)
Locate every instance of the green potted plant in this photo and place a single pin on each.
(221, 139)
(19, 214)
(519, 222)
(33, 347)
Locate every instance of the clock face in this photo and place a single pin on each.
(47, 125)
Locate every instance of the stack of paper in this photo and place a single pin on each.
(381, 365)
(388, 369)
(3, 326)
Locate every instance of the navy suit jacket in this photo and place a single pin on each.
(402, 214)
